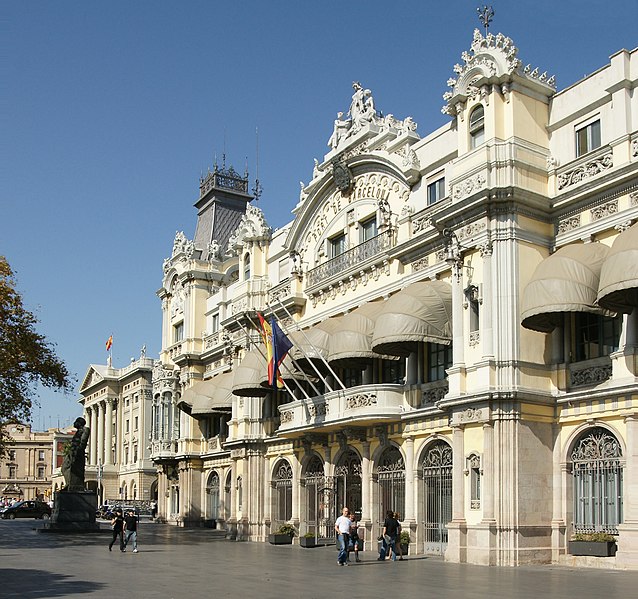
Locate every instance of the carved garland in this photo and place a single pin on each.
(361, 400)
(585, 171)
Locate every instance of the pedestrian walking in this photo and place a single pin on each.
(342, 528)
(397, 545)
(117, 524)
(390, 531)
(354, 544)
(131, 522)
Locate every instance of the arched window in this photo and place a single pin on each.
(246, 267)
(437, 496)
(213, 487)
(477, 126)
(282, 482)
(598, 484)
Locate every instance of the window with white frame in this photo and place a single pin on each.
(41, 472)
(477, 126)
(178, 332)
(214, 323)
(246, 267)
(368, 229)
(474, 470)
(588, 138)
(436, 191)
(41, 455)
(336, 245)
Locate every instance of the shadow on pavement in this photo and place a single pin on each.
(32, 584)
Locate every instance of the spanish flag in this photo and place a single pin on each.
(109, 342)
(277, 346)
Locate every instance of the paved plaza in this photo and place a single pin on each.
(187, 563)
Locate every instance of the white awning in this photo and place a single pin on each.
(420, 313)
(618, 287)
(209, 397)
(249, 374)
(566, 281)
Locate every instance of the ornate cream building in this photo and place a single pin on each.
(463, 309)
(117, 408)
(27, 468)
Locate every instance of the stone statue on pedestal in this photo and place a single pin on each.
(75, 458)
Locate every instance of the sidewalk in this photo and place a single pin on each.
(188, 563)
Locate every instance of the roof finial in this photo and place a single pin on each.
(485, 15)
(257, 189)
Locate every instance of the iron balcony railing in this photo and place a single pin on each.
(350, 258)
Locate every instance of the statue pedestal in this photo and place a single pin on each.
(73, 512)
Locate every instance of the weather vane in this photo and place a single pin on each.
(485, 15)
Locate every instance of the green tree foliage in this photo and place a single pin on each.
(26, 358)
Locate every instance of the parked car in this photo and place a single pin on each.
(27, 509)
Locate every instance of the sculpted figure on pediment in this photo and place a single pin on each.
(340, 130)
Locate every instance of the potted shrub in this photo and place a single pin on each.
(308, 540)
(597, 544)
(404, 541)
(282, 536)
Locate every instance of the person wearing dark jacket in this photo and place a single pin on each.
(117, 524)
(130, 529)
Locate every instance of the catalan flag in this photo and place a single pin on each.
(277, 346)
(109, 343)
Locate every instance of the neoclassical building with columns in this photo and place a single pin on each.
(463, 308)
(117, 408)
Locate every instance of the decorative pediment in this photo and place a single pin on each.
(492, 60)
(361, 115)
(93, 376)
(252, 227)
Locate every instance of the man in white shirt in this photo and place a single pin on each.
(342, 528)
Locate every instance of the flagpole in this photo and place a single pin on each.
(288, 370)
(300, 330)
(290, 391)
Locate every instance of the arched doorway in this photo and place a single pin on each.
(213, 499)
(348, 482)
(598, 482)
(320, 504)
(227, 490)
(391, 480)
(282, 493)
(437, 496)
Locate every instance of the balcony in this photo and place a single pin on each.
(358, 259)
(363, 406)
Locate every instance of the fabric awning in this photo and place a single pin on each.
(566, 281)
(250, 373)
(350, 345)
(618, 287)
(313, 344)
(420, 313)
(209, 397)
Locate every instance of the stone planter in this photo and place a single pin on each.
(308, 542)
(275, 539)
(404, 548)
(593, 548)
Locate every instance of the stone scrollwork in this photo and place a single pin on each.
(361, 400)
(421, 224)
(420, 264)
(434, 394)
(569, 224)
(469, 186)
(584, 171)
(319, 409)
(633, 198)
(634, 147)
(605, 210)
(590, 376)
(287, 416)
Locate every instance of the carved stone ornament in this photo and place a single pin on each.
(585, 171)
(491, 57)
(590, 376)
(342, 176)
(361, 400)
(633, 198)
(605, 210)
(569, 224)
(252, 227)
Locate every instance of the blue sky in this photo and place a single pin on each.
(112, 109)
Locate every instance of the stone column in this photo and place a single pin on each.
(627, 555)
(558, 520)
(408, 516)
(92, 414)
(487, 486)
(486, 328)
(100, 433)
(457, 527)
(108, 453)
(296, 483)
(366, 465)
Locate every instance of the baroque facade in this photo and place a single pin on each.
(116, 403)
(463, 312)
(27, 469)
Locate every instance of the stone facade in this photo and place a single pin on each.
(116, 404)
(416, 252)
(27, 468)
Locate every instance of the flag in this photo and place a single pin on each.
(109, 342)
(277, 346)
